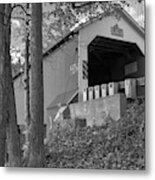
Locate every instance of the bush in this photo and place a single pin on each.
(115, 145)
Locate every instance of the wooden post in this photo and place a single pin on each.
(90, 93)
(112, 88)
(85, 98)
(103, 90)
(130, 88)
(97, 91)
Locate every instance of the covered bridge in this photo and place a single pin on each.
(100, 51)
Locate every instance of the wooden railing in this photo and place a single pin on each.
(128, 86)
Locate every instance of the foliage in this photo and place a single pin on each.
(115, 145)
(59, 18)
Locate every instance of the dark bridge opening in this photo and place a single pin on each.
(112, 60)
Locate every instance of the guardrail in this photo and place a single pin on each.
(129, 87)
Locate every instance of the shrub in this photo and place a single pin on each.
(115, 145)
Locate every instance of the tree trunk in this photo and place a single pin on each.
(2, 89)
(13, 136)
(27, 86)
(36, 146)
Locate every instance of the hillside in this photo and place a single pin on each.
(115, 145)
